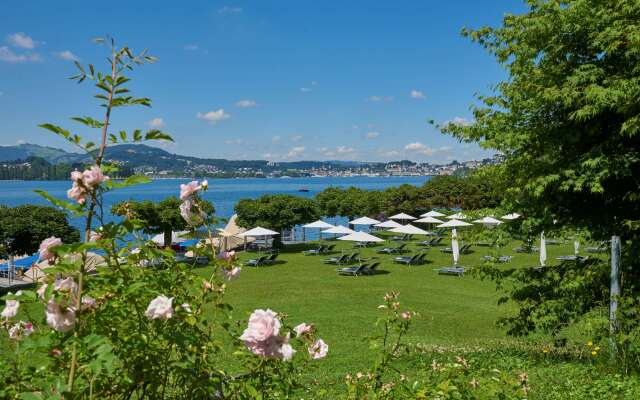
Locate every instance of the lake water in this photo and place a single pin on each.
(223, 193)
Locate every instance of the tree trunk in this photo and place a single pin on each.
(167, 238)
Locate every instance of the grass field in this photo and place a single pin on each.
(454, 311)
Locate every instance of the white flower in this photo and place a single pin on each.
(160, 308)
(319, 349)
(88, 302)
(62, 320)
(10, 309)
(186, 307)
(286, 350)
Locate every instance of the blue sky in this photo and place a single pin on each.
(277, 80)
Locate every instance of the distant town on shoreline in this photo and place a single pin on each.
(35, 162)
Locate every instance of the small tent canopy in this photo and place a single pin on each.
(511, 216)
(402, 217)
(488, 221)
(319, 224)
(429, 220)
(339, 230)
(457, 216)
(258, 231)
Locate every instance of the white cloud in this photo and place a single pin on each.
(372, 134)
(391, 153)
(305, 89)
(344, 149)
(275, 139)
(459, 121)
(21, 141)
(234, 141)
(67, 55)
(377, 99)
(21, 40)
(295, 152)
(191, 47)
(213, 117)
(246, 103)
(7, 55)
(419, 148)
(230, 10)
(416, 94)
(445, 148)
(156, 123)
(296, 138)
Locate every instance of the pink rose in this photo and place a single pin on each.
(41, 291)
(94, 236)
(93, 177)
(263, 324)
(186, 191)
(319, 349)
(160, 308)
(302, 329)
(66, 285)
(10, 309)
(233, 273)
(61, 320)
(186, 211)
(286, 350)
(46, 246)
(21, 329)
(77, 193)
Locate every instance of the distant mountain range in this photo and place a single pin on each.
(141, 156)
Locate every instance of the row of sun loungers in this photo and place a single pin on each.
(431, 242)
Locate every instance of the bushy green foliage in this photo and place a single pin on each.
(163, 217)
(276, 212)
(29, 225)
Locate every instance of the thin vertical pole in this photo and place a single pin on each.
(614, 292)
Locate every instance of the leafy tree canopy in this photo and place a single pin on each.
(29, 225)
(163, 217)
(568, 117)
(276, 212)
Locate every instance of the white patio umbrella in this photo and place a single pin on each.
(403, 217)
(512, 216)
(432, 213)
(456, 216)
(388, 224)
(429, 220)
(339, 230)
(576, 247)
(454, 223)
(319, 224)
(361, 237)
(366, 221)
(176, 237)
(543, 249)
(258, 232)
(455, 248)
(409, 229)
(488, 222)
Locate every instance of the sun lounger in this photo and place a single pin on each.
(256, 261)
(314, 252)
(372, 269)
(431, 242)
(271, 259)
(328, 249)
(603, 247)
(336, 260)
(391, 250)
(466, 249)
(498, 259)
(459, 271)
(526, 249)
(354, 271)
(572, 258)
(402, 238)
(410, 260)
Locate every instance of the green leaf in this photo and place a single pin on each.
(56, 129)
(76, 208)
(130, 181)
(156, 134)
(88, 121)
(123, 135)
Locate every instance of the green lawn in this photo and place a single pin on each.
(453, 310)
